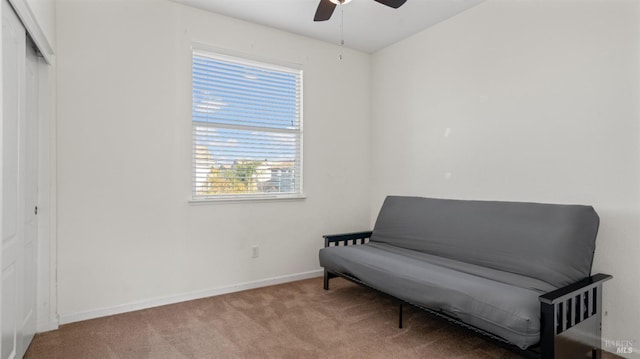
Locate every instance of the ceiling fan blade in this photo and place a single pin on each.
(325, 10)
(392, 3)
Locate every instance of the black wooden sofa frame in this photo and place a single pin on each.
(575, 305)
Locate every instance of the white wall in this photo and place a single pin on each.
(541, 102)
(127, 238)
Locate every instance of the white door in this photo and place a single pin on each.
(13, 287)
(30, 182)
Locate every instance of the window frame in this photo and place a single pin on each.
(261, 62)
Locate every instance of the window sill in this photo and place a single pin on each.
(256, 199)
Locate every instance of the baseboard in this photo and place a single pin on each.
(145, 304)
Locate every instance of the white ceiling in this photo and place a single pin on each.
(368, 25)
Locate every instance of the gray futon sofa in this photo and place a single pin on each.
(517, 272)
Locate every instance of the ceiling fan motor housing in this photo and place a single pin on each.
(326, 7)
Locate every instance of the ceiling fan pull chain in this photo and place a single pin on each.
(341, 28)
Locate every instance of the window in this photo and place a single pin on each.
(247, 128)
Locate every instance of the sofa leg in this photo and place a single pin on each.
(400, 317)
(596, 354)
(326, 280)
(547, 331)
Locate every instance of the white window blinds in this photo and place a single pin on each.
(247, 128)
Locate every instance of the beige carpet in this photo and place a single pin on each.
(294, 320)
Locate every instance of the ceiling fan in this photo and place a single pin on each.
(326, 7)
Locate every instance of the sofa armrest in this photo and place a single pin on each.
(336, 239)
(575, 289)
(577, 304)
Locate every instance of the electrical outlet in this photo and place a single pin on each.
(255, 252)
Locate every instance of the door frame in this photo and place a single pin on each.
(34, 29)
(47, 314)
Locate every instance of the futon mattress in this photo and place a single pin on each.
(500, 302)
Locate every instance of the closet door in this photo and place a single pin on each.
(13, 189)
(27, 322)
